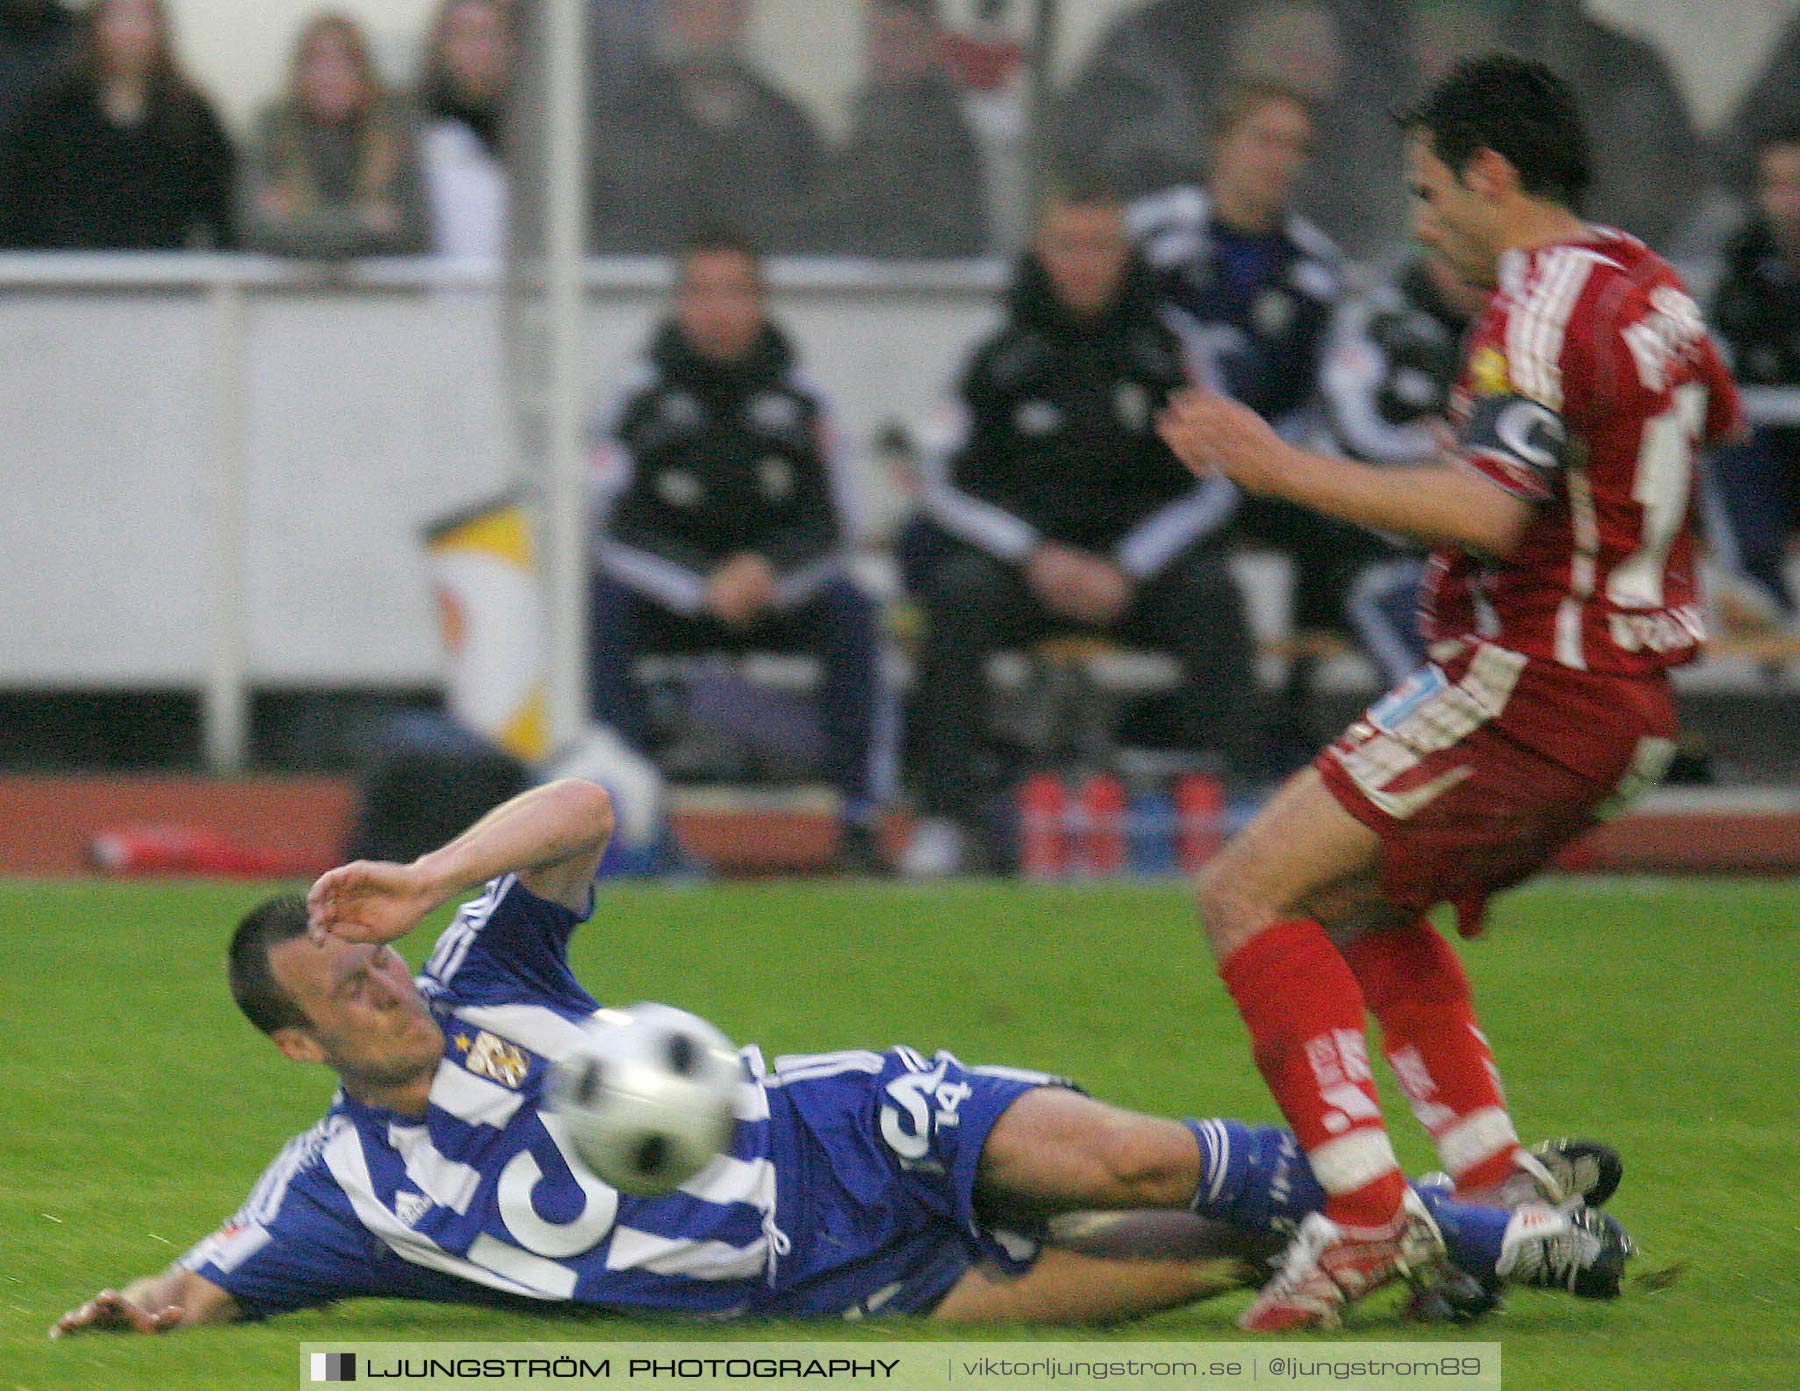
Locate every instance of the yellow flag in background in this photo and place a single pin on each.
(484, 575)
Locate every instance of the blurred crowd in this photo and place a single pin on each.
(105, 143)
(1209, 178)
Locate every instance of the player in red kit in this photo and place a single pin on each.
(1562, 591)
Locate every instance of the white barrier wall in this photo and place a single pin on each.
(365, 409)
(153, 404)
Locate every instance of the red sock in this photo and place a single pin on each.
(1415, 986)
(1305, 1014)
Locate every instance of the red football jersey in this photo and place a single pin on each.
(1588, 386)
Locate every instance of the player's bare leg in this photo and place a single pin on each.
(1055, 1150)
(1111, 1182)
(1225, 1193)
(1410, 977)
(1301, 847)
(1067, 1287)
(1116, 1187)
(1260, 900)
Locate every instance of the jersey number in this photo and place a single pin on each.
(1665, 473)
(533, 1262)
(915, 1093)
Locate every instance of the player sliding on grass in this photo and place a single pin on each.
(857, 1182)
(1563, 590)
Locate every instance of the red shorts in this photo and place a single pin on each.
(1477, 769)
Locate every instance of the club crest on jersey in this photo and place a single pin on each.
(490, 1056)
(679, 488)
(1131, 403)
(1488, 374)
(774, 413)
(1273, 313)
(775, 476)
(410, 1207)
(1037, 418)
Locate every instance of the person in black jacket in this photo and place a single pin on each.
(1140, 107)
(1068, 512)
(122, 153)
(728, 510)
(1755, 486)
(1252, 287)
(698, 137)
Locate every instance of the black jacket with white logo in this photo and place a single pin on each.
(1053, 435)
(704, 460)
(1391, 361)
(1252, 312)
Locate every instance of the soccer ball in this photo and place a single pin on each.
(647, 1097)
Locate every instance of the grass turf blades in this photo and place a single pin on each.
(139, 1108)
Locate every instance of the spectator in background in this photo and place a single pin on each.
(334, 169)
(909, 180)
(36, 38)
(1348, 187)
(1249, 284)
(464, 95)
(622, 38)
(1755, 486)
(1649, 160)
(1140, 107)
(985, 55)
(1070, 514)
(1768, 106)
(121, 153)
(702, 138)
(728, 513)
(1251, 287)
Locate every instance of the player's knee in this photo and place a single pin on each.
(1228, 909)
(1144, 1162)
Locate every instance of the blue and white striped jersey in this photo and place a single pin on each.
(870, 1159)
(481, 1200)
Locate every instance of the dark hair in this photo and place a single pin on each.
(1249, 95)
(1518, 108)
(1081, 188)
(253, 985)
(718, 238)
(437, 84)
(175, 105)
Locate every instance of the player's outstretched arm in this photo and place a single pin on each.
(552, 836)
(1438, 504)
(177, 1298)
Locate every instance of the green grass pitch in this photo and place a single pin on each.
(138, 1108)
